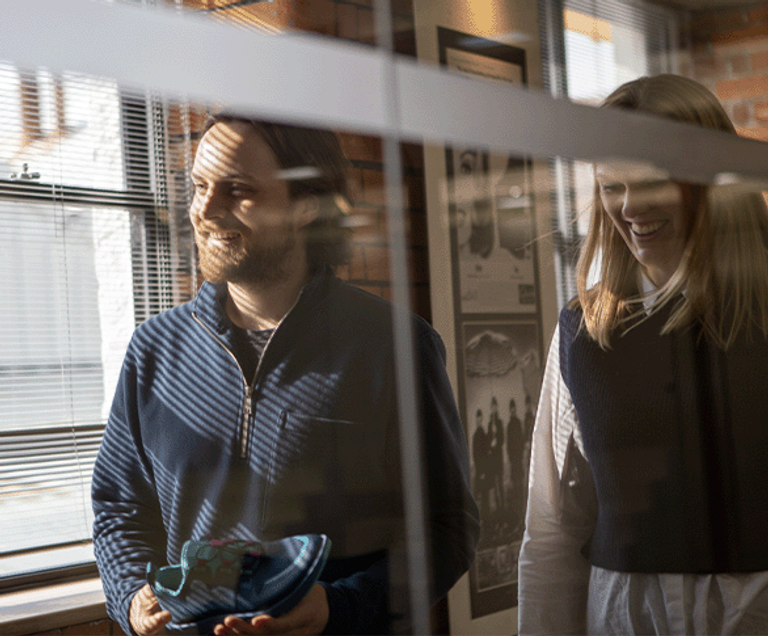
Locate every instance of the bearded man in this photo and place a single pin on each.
(267, 406)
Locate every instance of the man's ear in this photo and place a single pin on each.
(306, 210)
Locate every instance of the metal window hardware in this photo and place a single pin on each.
(25, 175)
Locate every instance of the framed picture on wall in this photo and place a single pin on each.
(501, 372)
(489, 197)
(497, 318)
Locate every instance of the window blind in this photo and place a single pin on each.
(92, 190)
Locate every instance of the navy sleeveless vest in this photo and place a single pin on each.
(676, 433)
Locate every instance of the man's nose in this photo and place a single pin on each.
(208, 205)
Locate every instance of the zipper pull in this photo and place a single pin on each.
(247, 407)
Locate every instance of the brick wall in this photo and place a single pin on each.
(369, 268)
(729, 54)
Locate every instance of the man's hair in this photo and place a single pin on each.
(314, 165)
(724, 267)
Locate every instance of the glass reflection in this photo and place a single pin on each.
(267, 408)
(648, 448)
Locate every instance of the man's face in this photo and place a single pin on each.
(245, 227)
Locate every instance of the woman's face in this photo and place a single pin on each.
(648, 210)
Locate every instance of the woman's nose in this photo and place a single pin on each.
(636, 200)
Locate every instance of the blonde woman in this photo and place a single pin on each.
(647, 510)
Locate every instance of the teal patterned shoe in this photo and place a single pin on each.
(216, 579)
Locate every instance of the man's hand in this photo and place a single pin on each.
(146, 617)
(310, 616)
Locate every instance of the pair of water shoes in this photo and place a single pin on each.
(216, 579)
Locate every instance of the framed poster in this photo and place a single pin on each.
(501, 370)
(490, 203)
(497, 318)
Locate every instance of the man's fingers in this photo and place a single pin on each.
(147, 619)
(233, 625)
(155, 623)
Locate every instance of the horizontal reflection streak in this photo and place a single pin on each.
(333, 84)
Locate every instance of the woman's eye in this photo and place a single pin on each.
(610, 188)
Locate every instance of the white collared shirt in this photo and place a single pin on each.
(561, 593)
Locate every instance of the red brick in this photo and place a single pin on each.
(361, 147)
(759, 60)
(402, 7)
(366, 26)
(357, 263)
(741, 114)
(760, 111)
(317, 16)
(743, 88)
(760, 14)
(741, 35)
(355, 184)
(376, 263)
(708, 66)
(373, 187)
(739, 63)
(346, 21)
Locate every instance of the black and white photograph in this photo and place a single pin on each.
(501, 378)
(489, 199)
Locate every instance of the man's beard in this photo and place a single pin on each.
(247, 262)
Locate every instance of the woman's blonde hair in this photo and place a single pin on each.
(724, 268)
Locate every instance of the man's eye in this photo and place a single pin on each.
(199, 188)
(241, 191)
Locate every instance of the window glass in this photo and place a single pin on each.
(471, 191)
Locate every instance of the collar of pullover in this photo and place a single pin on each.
(209, 304)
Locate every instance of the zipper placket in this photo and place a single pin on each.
(248, 391)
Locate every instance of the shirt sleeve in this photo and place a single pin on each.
(553, 571)
(128, 530)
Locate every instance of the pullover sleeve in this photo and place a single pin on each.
(553, 571)
(128, 530)
(358, 604)
(454, 520)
